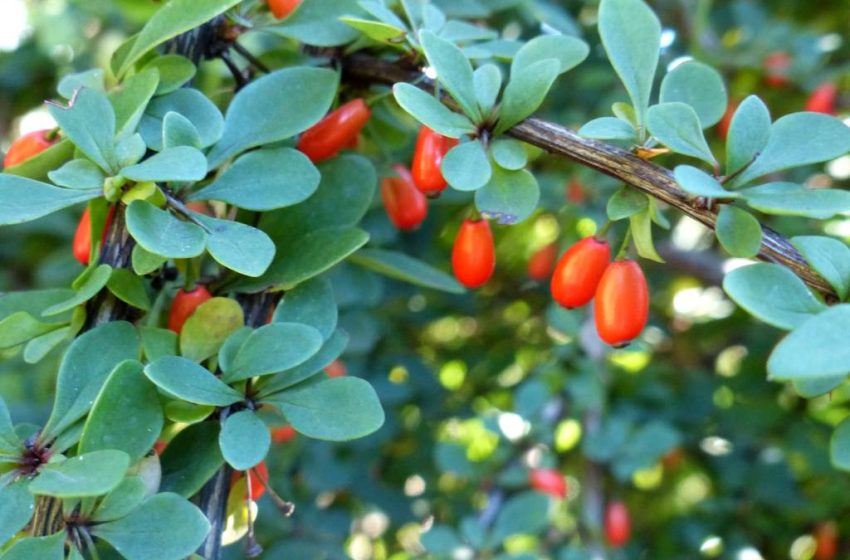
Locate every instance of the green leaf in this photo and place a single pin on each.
(698, 85)
(20, 327)
(525, 92)
(608, 128)
(9, 440)
(699, 183)
(625, 203)
(264, 111)
(177, 130)
(33, 302)
(37, 166)
(93, 474)
(129, 288)
(237, 246)
(568, 51)
(159, 232)
(442, 540)
(43, 548)
(87, 363)
(273, 348)
(790, 199)
(89, 121)
(677, 126)
(829, 257)
(509, 197)
(316, 22)
(208, 327)
(264, 180)
(16, 508)
(641, 228)
(191, 459)
(407, 269)
(174, 71)
(129, 150)
(811, 388)
(310, 303)
(227, 352)
(428, 110)
(23, 200)
(125, 498)
(69, 84)
(631, 35)
(187, 413)
(466, 166)
(191, 104)
(131, 100)
(749, 132)
(126, 415)
(799, 139)
(839, 446)
(815, 349)
(176, 17)
(772, 293)
(509, 153)
(337, 409)
(524, 513)
(454, 71)
(188, 381)
(375, 30)
(158, 342)
(78, 174)
(330, 351)
(487, 81)
(244, 440)
(149, 531)
(144, 262)
(180, 163)
(738, 232)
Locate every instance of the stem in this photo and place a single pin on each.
(624, 247)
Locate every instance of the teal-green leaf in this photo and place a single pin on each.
(264, 180)
(466, 166)
(43, 548)
(129, 150)
(699, 183)
(454, 71)
(310, 303)
(161, 233)
(608, 128)
(191, 104)
(526, 512)
(16, 507)
(526, 91)
(157, 342)
(815, 348)
(23, 200)
(337, 409)
(177, 130)
(90, 283)
(69, 84)
(625, 203)
(330, 351)
(209, 326)
(316, 22)
(791, 199)
(631, 35)
(87, 363)
(677, 126)
(9, 440)
(149, 531)
(698, 85)
(130, 100)
(125, 498)
(174, 18)
(78, 174)
(839, 446)
(188, 381)
(180, 163)
(191, 459)
(375, 30)
(239, 247)
(426, 109)
(174, 71)
(89, 121)
(738, 231)
(244, 440)
(568, 51)
(275, 107)
(509, 153)
(799, 139)
(92, 474)
(829, 257)
(20, 327)
(227, 352)
(509, 197)
(640, 225)
(126, 415)
(273, 348)
(773, 294)
(407, 269)
(144, 262)
(811, 388)
(129, 288)
(749, 132)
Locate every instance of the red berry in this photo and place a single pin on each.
(777, 66)
(428, 155)
(575, 192)
(548, 481)
(474, 255)
(826, 539)
(282, 8)
(618, 526)
(336, 369)
(81, 246)
(822, 100)
(541, 262)
(283, 434)
(257, 486)
(578, 272)
(159, 447)
(336, 131)
(406, 206)
(27, 146)
(622, 303)
(184, 305)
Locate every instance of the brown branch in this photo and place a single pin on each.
(621, 164)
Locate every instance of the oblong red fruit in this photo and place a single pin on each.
(618, 525)
(578, 272)
(27, 146)
(406, 206)
(184, 304)
(548, 481)
(622, 303)
(474, 255)
(335, 131)
(428, 155)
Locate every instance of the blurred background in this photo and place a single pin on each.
(711, 460)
